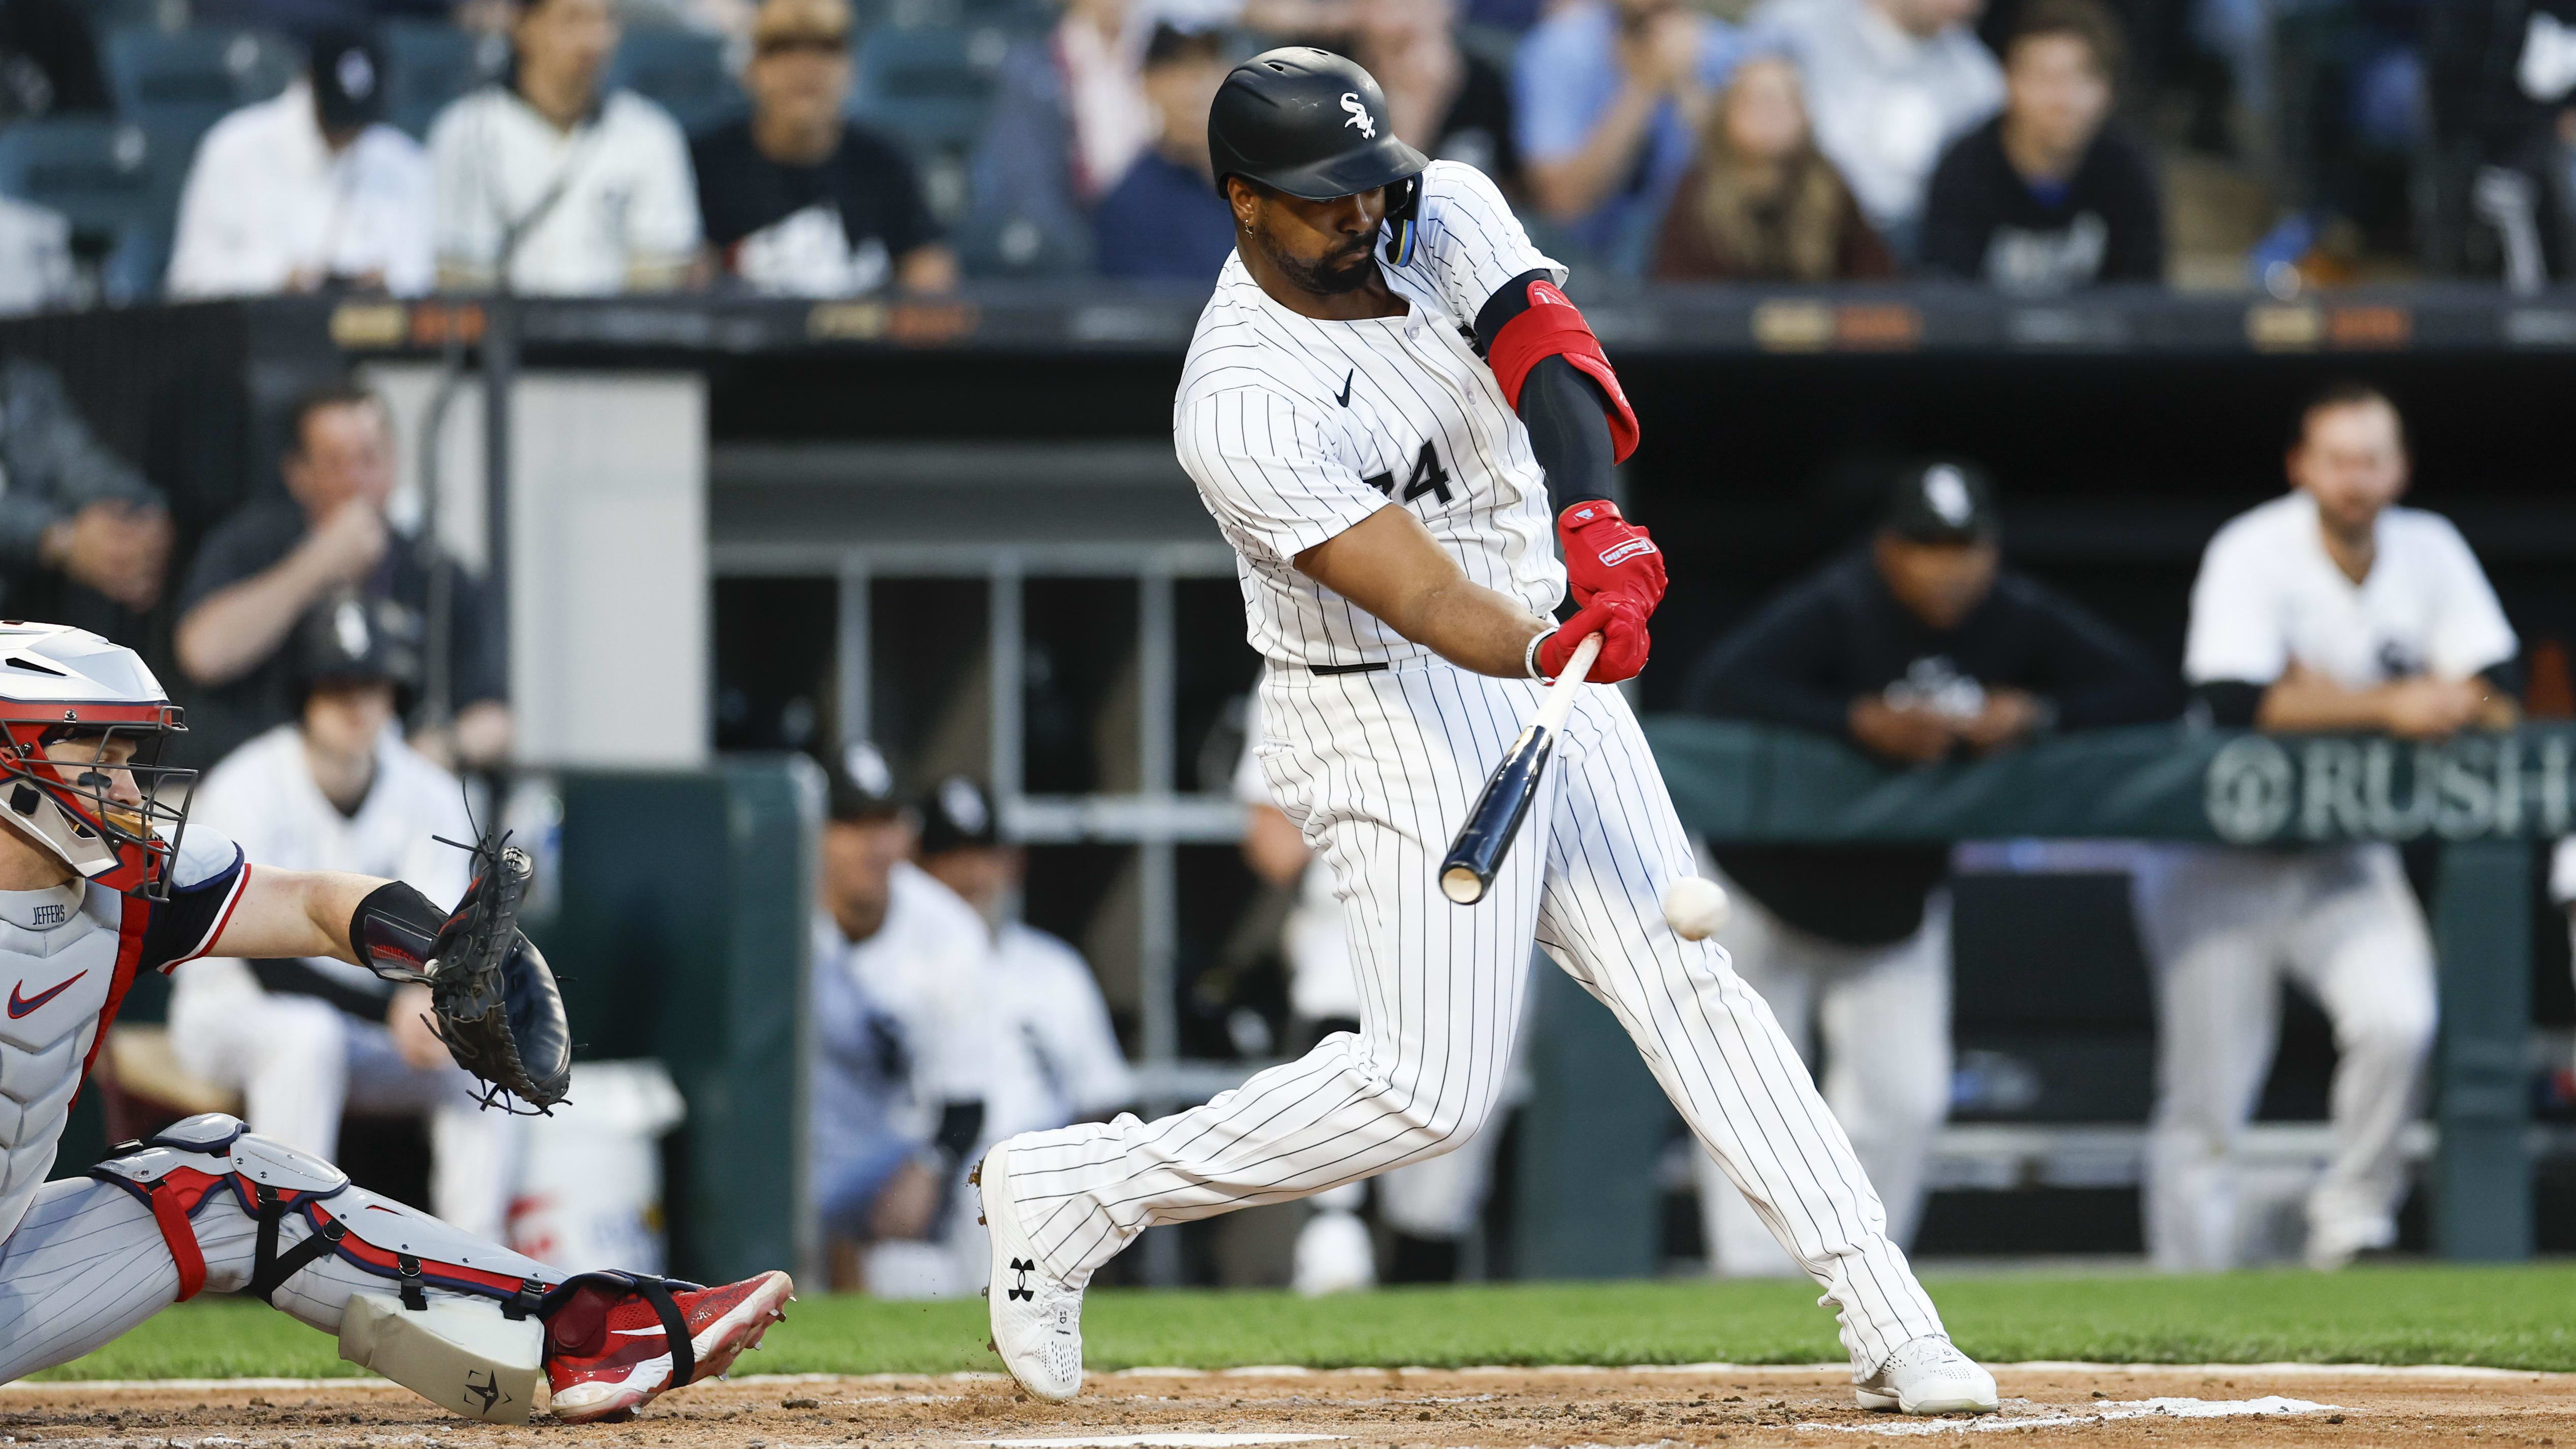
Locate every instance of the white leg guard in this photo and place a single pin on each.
(446, 1315)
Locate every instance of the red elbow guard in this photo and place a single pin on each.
(1552, 327)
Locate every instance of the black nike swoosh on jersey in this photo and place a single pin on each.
(1345, 398)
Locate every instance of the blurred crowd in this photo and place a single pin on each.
(197, 148)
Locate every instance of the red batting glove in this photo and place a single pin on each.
(1621, 623)
(1606, 554)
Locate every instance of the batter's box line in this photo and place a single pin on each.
(2270, 1406)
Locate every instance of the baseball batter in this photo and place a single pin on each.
(2328, 608)
(101, 879)
(1386, 401)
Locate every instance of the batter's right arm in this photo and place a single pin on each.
(1390, 565)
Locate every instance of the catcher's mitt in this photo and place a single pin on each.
(493, 1001)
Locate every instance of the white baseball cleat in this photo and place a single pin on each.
(1928, 1376)
(1037, 1320)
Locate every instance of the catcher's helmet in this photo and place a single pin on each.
(58, 682)
(1314, 124)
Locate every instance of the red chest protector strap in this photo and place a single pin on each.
(1552, 327)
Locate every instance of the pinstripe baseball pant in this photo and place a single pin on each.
(1377, 769)
(88, 1263)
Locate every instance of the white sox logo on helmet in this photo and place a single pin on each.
(1360, 117)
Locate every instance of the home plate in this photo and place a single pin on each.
(1157, 1441)
(2022, 1414)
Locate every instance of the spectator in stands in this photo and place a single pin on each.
(71, 509)
(1610, 96)
(262, 569)
(2328, 609)
(2051, 194)
(1917, 647)
(36, 271)
(582, 193)
(1762, 203)
(1889, 83)
(1164, 219)
(2500, 88)
(898, 999)
(1049, 1009)
(308, 190)
(1452, 105)
(798, 199)
(48, 60)
(1069, 116)
(335, 788)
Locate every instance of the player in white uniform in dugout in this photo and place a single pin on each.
(2329, 608)
(101, 879)
(338, 788)
(1057, 1057)
(1385, 444)
(904, 1061)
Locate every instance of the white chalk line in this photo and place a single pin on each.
(1155, 1440)
(2269, 1406)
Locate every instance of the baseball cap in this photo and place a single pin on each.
(350, 638)
(958, 816)
(859, 785)
(348, 75)
(783, 20)
(1942, 500)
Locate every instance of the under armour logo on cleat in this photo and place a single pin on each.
(1360, 120)
(1023, 1267)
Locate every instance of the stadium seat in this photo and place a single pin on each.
(929, 87)
(682, 70)
(1020, 17)
(116, 181)
(429, 63)
(186, 80)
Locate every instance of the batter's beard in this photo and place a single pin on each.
(1321, 277)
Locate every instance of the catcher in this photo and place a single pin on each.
(100, 880)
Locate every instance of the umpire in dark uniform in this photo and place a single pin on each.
(1917, 646)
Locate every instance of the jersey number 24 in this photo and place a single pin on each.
(1428, 477)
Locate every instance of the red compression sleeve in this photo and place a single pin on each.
(1552, 327)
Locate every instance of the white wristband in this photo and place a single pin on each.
(1529, 655)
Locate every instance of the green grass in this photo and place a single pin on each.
(2505, 1317)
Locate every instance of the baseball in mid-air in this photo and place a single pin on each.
(1696, 906)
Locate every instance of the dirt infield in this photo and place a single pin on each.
(1354, 1409)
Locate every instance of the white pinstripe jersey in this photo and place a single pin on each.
(1295, 429)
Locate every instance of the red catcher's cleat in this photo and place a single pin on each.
(610, 1348)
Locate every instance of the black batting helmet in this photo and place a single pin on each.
(1314, 125)
(351, 638)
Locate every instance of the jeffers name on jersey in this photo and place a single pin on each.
(1295, 428)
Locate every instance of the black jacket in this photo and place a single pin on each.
(1982, 221)
(1839, 634)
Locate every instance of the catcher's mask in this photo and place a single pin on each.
(83, 727)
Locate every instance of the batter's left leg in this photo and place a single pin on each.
(1614, 844)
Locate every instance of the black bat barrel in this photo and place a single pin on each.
(1481, 843)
